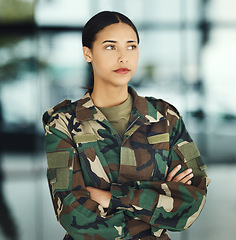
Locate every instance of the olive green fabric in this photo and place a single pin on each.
(85, 138)
(197, 170)
(158, 138)
(58, 169)
(128, 157)
(62, 179)
(118, 116)
(193, 160)
(58, 159)
(189, 151)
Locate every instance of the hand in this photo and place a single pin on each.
(183, 177)
(100, 196)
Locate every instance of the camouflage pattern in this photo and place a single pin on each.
(83, 149)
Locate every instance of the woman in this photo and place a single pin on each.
(120, 166)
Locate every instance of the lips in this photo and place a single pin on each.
(122, 70)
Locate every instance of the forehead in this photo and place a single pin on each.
(117, 31)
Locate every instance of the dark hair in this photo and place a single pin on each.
(99, 22)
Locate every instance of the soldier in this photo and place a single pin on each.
(120, 166)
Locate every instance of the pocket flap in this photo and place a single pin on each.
(190, 154)
(85, 138)
(58, 159)
(189, 151)
(160, 138)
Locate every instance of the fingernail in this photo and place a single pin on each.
(179, 166)
(190, 170)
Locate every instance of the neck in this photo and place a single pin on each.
(109, 96)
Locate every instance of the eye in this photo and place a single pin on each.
(110, 47)
(132, 47)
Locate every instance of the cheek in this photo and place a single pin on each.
(135, 60)
(100, 66)
(102, 60)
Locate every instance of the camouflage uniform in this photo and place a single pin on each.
(83, 149)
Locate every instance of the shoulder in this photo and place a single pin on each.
(165, 108)
(167, 111)
(64, 108)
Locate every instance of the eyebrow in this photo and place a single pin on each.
(113, 41)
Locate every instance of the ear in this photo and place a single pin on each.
(87, 54)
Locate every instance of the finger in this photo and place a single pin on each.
(189, 182)
(173, 173)
(187, 178)
(182, 175)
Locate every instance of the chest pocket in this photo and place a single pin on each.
(160, 144)
(92, 161)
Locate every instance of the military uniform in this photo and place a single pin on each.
(83, 149)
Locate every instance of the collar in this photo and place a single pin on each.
(142, 108)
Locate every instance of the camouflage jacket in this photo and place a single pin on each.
(83, 149)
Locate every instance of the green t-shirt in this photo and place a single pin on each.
(118, 116)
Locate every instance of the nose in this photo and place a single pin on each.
(123, 57)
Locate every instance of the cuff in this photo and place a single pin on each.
(119, 197)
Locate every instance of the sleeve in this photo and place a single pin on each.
(81, 217)
(167, 205)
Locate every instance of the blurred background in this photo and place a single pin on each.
(187, 57)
